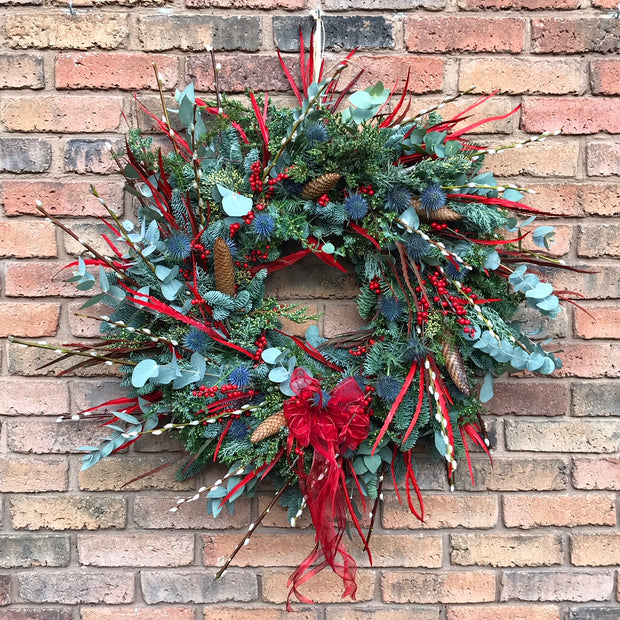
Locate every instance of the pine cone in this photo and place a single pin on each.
(224, 268)
(321, 185)
(268, 427)
(443, 214)
(455, 366)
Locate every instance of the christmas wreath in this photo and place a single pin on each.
(356, 180)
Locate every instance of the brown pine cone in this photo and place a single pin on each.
(455, 366)
(321, 185)
(224, 268)
(268, 427)
(443, 214)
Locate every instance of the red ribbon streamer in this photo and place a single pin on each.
(331, 424)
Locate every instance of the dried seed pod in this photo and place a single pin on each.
(455, 366)
(321, 185)
(268, 427)
(443, 214)
(223, 267)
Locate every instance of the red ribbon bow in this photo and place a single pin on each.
(331, 424)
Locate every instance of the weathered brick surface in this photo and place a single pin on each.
(596, 473)
(38, 436)
(602, 436)
(27, 319)
(323, 588)
(27, 551)
(583, 360)
(603, 159)
(604, 322)
(595, 549)
(5, 589)
(258, 613)
(20, 474)
(598, 240)
(572, 585)
(442, 511)
(71, 198)
(126, 549)
(601, 198)
(21, 71)
(594, 613)
(24, 154)
(341, 318)
(137, 613)
(503, 611)
(36, 613)
(549, 159)
(506, 550)
(197, 587)
(571, 35)
(28, 239)
(61, 113)
(68, 512)
(605, 76)
(522, 75)
(596, 398)
(37, 279)
(438, 587)
(94, 156)
(102, 70)
(583, 115)
(386, 613)
(544, 399)
(73, 587)
(61, 30)
(528, 511)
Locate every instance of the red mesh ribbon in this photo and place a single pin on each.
(331, 424)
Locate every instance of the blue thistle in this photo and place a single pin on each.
(240, 377)
(320, 400)
(356, 206)
(315, 133)
(433, 198)
(263, 225)
(388, 389)
(238, 430)
(416, 351)
(390, 308)
(454, 273)
(179, 245)
(398, 198)
(196, 340)
(417, 248)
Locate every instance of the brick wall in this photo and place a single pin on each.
(538, 536)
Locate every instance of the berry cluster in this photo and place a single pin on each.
(437, 226)
(261, 343)
(233, 229)
(249, 218)
(206, 392)
(366, 189)
(256, 183)
(361, 350)
(323, 200)
(375, 285)
(274, 182)
(254, 257)
(200, 248)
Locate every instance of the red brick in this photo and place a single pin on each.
(442, 511)
(596, 398)
(554, 76)
(91, 234)
(27, 551)
(74, 587)
(605, 76)
(595, 549)
(446, 33)
(438, 587)
(59, 30)
(571, 35)
(529, 5)
(592, 359)
(91, 156)
(543, 398)
(287, 5)
(136, 613)
(71, 198)
(38, 613)
(326, 587)
(20, 474)
(48, 436)
(552, 158)
(556, 586)
(559, 245)
(596, 473)
(556, 198)
(135, 549)
(601, 198)
(603, 159)
(604, 4)
(114, 473)
(583, 115)
(26, 239)
(154, 513)
(341, 318)
(605, 324)
(38, 279)
(569, 435)
(124, 70)
(602, 281)
(384, 613)
(256, 613)
(67, 512)
(513, 474)
(278, 515)
(599, 240)
(505, 550)
(299, 329)
(494, 107)
(81, 325)
(503, 612)
(21, 71)
(61, 113)
(27, 319)
(33, 397)
(528, 511)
